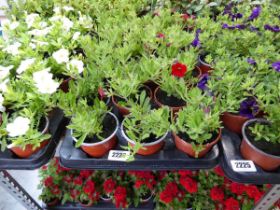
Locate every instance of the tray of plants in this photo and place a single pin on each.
(100, 205)
(242, 170)
(11, 159)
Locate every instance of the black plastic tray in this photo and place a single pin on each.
(8, 160)
(230, 145)
(102, 205)
(169, 158)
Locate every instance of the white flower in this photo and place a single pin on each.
(2, 108)
(32, 45)
(68, 8)
(43, 24)
(19, 127)
(85, 21)
(55, 18)
(40, 43)
(5, 71)
(44, 82)
(67, 24)
(76, 64)
(6, 23)
(30, 19)
(61, 56)
(3, 86)
(76, 36)
(24, 65)
(40, 32)
(13, 49)
(56, 10)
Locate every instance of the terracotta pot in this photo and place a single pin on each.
(147, 148)
(205, 67)
(266, 161)
(53, 202)
(187, 147)
(99, 149)
(174, 109)
(64, 86)
(28, 150)
(233, 122)
(125, 110)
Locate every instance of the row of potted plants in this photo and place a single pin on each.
(181, 189)
(195, 69)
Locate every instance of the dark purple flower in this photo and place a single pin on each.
(240, 26)
(249, 107)
(252, 28)
(236, 16)
(196, 41)
(255, 13)
(228, 8)
(272, 28)
(251, 61)
(276, 66)
(202, 84)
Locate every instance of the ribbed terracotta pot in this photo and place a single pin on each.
(99, 149)
(205, 67)
(147, 148)
(174, 109)
(125, 110)
(233, 122)
(28, 150)
(187, 147)
(266, 161)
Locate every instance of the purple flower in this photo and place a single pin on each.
(237, 26)
(249, 107)
(228, 8)
(252, 28)
(255, 13)
(276, 66)
(272, 28)
(196, 41)
(202, 84)
(236, 16)
(251, 61)
(240, 26)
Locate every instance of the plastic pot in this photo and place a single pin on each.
(205, 67)
(99, 149)
(188, 149)
(52, 202)
(147, 148)
(266, 161)
(106, 199)
(233, 122)
(28, 150)
(146, 200)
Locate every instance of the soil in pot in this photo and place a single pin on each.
(269, 148)
(171, 101)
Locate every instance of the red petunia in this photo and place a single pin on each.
(251, 191)
(258, 196)
(120, 197)
(185, 173)
(109, 185)
(68, 178)
(101, 93)
(179, 69)
(85, 173)
(89, 187)
(231, 204)
(181, 195)
(189, 184)
(44, 168)
(219, 171)
(185, 17)
(74, 193)
(78, 181)
(160, 35)
(237, 188)
(217, 194)
(56, 190)
(138, 183)
(172, 187)
(165, 197)
(48, 182)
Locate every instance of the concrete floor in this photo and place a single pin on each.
(29, 180)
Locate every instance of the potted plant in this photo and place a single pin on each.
(197, 127)
(93, 128)
(145, 128)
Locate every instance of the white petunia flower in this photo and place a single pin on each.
(2, 108)
(67, 24)
(32, 45)
(68, 8)
(43, 24)
(61, 56)
(40, 43)
(42, 75)
(44, 82)
(76, 36)
(18, 127)
(30, 19)
(40, 32)
(6, 23)
(13, 49)
(5, 71)
(85, 21)
(76, 64)
(4, 86)
(56, 10)
(24, 65)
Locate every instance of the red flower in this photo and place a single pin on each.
(74, 193)
(67, 178)
(172, 188)
(237, 188)
(252, 190)
(185, 17)
(165, 197)
(120, 197)
(44, 168)
(56, 190)
(185, 173)
(78, 181)
(189, 184)
(101, 93)
(181, 195)
(89, 187)
(48, 182)
(258, 196)
(138, 183)
(109, 185)
(217, 194)
(231, 204)
(85, 173)
(179, 69)
(219, 171)
(162, 174)
(160, 35)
